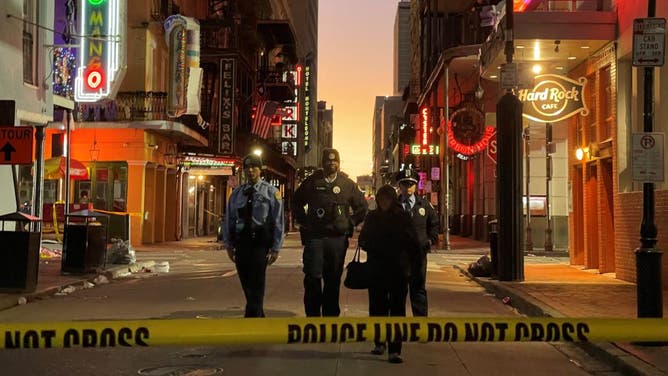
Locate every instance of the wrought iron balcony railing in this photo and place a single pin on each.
(128, 106)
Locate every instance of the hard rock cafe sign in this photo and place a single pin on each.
(554, 98)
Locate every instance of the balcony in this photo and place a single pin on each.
(128, 106)
(161, 9)
(218, 34)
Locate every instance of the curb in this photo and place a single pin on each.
(604, 351)
(114, 272)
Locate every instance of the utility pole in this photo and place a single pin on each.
(509, 168)
(648, 258)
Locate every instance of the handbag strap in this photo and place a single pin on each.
(356, 256)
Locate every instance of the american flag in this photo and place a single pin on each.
(264, 111)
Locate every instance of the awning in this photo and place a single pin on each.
(54, 168)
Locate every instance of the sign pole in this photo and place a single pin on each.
(509, 173)
(648, 258)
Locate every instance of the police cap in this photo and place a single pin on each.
(407, 175)
(252, 160)
(330, 154)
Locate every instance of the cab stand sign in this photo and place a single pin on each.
(649, 36)
(648, 157)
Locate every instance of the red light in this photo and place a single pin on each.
(521, 5)
(94, 79)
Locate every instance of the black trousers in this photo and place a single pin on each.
(418, 289)
(251, 261)
(323, 265)
(388, 301)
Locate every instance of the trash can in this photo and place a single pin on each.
(19, 258)
(84, 241)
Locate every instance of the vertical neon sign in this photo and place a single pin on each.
(101, 56)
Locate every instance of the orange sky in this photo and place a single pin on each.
(355, 39)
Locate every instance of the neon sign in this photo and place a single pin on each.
(424, 146)
(101, 56)
(554, 98)
(307, 106)
(467, 134)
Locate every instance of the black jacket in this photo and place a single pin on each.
(333, 208)
(391, 244)
(425, 221)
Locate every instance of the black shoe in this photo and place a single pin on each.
(395, 358)
(378, 350)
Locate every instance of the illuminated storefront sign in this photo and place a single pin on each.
(185, 75)
(102, 53)
(467, 133)
(554, 98)
(424, 146)
(226, 118)
(205, 162)
(307, 106)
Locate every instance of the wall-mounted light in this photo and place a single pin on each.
(94, 150)
(536, 69)
(579, 154)
(257, 151)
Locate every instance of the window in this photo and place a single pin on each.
(30, 42)
(606, 91)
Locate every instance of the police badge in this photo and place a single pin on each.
(422, 211)
(336, 189)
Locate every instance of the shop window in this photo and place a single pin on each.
(120, 189)
(82, 189)
(50, 191)
(589, 122)
(30, 42)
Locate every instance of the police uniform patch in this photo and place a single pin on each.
(332, 156)
(320, 212)
(336, 189)
(422, 211)
(278, 195)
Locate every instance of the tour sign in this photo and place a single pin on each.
(16, 145)
(649, 42)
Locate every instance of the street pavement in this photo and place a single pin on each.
(551, 288)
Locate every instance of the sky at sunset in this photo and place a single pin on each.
(355, 39)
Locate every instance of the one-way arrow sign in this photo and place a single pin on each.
(17, 144)
(8, 149)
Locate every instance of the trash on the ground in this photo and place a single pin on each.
(162, 267)
(123, 275)
(66, 290)
(121, 252)
(47, 253)
(190, 298)
(88, 285)
(100, 279)
(146, 270)
(506, 300)
(22, 300)
(481, 268)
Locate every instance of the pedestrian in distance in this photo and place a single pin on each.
(253, 232)
(328, 206)
(425, 222)
(392, 246)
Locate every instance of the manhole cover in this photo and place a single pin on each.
(180, 371)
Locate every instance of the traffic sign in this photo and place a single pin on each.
(16, 145)
(649, 42)
(648, 159)
(491, 148)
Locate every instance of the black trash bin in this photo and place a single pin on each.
(85, 241)
(19, 255)
(494, 245)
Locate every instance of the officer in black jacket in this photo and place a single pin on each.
(328, 205)
(425, 221)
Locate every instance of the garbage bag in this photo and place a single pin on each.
(121, 252)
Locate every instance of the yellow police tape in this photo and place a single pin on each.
(143, 333)
(132, 214)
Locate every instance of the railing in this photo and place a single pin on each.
(278, 84)
(161, 9)
(218, 34)
(128, 106)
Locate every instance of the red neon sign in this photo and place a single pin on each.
(94, 78)
(470, 149)
(425, 126)
(521, 5)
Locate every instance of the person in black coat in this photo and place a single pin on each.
(392, 247)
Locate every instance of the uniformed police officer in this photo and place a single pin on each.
(253, 232)
(425, 221)
(328, 205)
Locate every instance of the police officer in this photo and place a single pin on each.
(425, 221)
(253, 232)
(328, 205)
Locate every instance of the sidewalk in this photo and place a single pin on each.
(551, 288)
